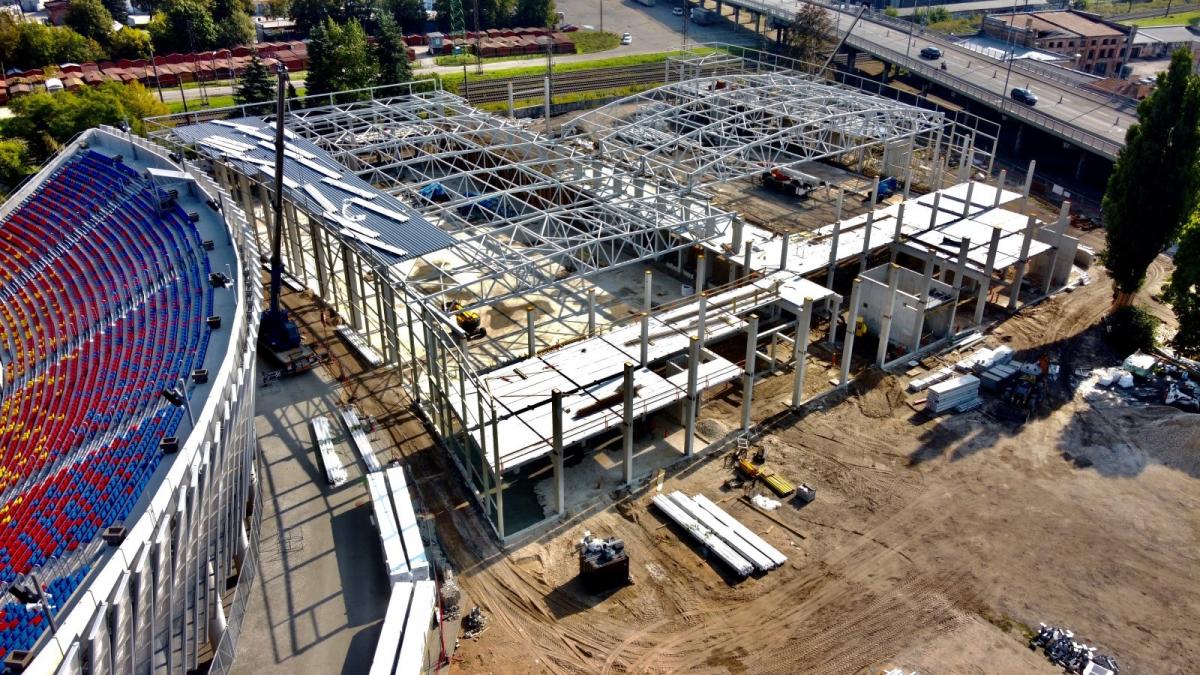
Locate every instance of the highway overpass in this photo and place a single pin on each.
(1093, 121)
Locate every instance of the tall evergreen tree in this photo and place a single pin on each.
(1152, 188)
(391, 52)
(1183, 290)
(256, 84)
(339, 59)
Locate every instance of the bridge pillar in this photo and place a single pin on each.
(850, 55)
(1079, 167)
(737, 15)
(758, 23)
(1020, 132)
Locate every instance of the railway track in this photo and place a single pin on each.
(531, 86)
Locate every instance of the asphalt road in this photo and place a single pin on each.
(1064, 102)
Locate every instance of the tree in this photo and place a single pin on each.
(1183, 290)
(90, 19)
(183, 26)
(492, 13)
(308, 14)
(534, 13)
(38, 45)
(340, 59)
(256, 84)
(45, 121)
(130, 43)
(1153, 185)
(280, 7)
(392, 52)
(409, 14)
(116, 9)
(13, 167)
(804, 38)
(234, 26)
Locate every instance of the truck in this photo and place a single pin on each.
(704, 17)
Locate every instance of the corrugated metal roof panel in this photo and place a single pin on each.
(398, 226)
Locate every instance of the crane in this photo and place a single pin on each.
(278, 335)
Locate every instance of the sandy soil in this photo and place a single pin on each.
(932, 545)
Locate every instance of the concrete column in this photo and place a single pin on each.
(737, 225)
(874, 192)
(627, 424)
(701, 318)
(748, 374)
(485, 473)
(510, 99)
(783, 251)
(866, 247)
(1060, 230)
(689, 434)
(959, 269)
(648, 291)
(645, 341)
(591, 324)
(746, 259)
(546, 96)
(898, 232)
(840, 197)
(700, 273)
(889, 307)
(851, 319)
(908, 171)
(1028, 185)
(800, 352)
(967, 203)
(530, 336)
(833, 245)
(933, 212)
(1000, 187)
(986, 286)
(560, 490)
(1014, 291)
(923, 301)
(499, 473)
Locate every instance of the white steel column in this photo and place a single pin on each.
(922, 304)
(530, 336)
(933, 212)
(889, 307)
(967, 202)
(689, 435)
(1060, 230)
(627, 423)
(957, 282)
(898, 232)
(1028, 185)
(645, 341)
(748, 375)
(783, 250)
(851, 320)
(800, 351)
(700, 273)
(1000, 188)
(648, 291)
(1014, 291)
(560, 492)
(985, 286)
(591, 325)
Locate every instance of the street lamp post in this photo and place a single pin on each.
(177, 396)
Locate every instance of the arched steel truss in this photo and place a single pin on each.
(721, 128)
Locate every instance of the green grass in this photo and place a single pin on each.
(590, 41)
(1174, 19)
(452, 81)
(213, 102)
(1108, 8)
(469, 59)
(963, 26)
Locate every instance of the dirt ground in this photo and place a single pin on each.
(933, 544)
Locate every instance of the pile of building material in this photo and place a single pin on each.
(1075, 657)
(739, 548)
(960, 393)
(922, 383)
(359, 438)
(603, 563)
(1140, 364)
(335, 473)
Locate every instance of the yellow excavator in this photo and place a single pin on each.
(468, 320)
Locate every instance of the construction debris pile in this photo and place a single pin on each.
(603, 563)
(1075, 657)
(473, 623)
(1147, 379)
(740, 549)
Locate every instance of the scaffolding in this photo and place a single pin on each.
(524, 215)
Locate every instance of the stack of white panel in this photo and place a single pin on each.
(360, 440)
(407, 523)
(730, 557)
(360, 345)
(335, 473)
(952, 393)
(741, 530)
(761, 561)
(405, 632)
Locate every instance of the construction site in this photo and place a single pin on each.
(749, 372)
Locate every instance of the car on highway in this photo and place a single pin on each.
(931, 53)
(677, 11)
(626, 39)
(1025, 96)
